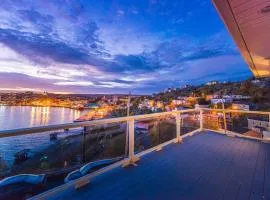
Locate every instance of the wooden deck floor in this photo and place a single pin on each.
(206, 166)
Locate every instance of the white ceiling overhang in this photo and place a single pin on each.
(249, 23)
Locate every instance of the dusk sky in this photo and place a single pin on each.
(113, 46)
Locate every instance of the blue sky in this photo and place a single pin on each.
(113, 46)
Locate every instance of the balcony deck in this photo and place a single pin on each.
(206, 166)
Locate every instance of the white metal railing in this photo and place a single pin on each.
(237, 111)
(232, 133)
(130, 121)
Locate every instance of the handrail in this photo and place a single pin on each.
(237, 111)
(24, 131)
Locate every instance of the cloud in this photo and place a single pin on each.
(74, 46)
(38, 48)
(120, 13)
(42, 22)
(77, 83)
(75, 66)
(111, 84)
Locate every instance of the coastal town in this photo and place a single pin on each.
(252, 94)
(245, 95)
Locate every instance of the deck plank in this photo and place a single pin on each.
(248, 169)
(208, 191)
(267, 172)
(231, 185)
(225, 169)
(259, 175)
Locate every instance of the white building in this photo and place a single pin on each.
(260, 126)
(197, 106)
(256, 81)
(214, 96)
(212, 83)
(185, 86)
(179, 101)
(221, 100)
(236, 97)
(253, 123)
(240, 106)
(168, 90)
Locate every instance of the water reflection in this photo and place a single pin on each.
(77, 114)
(13, 117)
(40, 116)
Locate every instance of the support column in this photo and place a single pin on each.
(201, 120)
(269, 122)
(224, 118)
(132, 159)
(178, 128)
(84, 148)
(126, 144)
(224, 121)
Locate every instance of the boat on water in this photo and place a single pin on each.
(143, 127)
(83, 118)
(65, 134)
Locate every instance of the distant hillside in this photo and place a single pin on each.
(259, 90)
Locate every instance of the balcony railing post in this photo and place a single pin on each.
(269, 121)
(224, 121)
(132, 159)
(126, 144)
(131, 138)
(201, 119)
(84, 143)
(178, 128)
